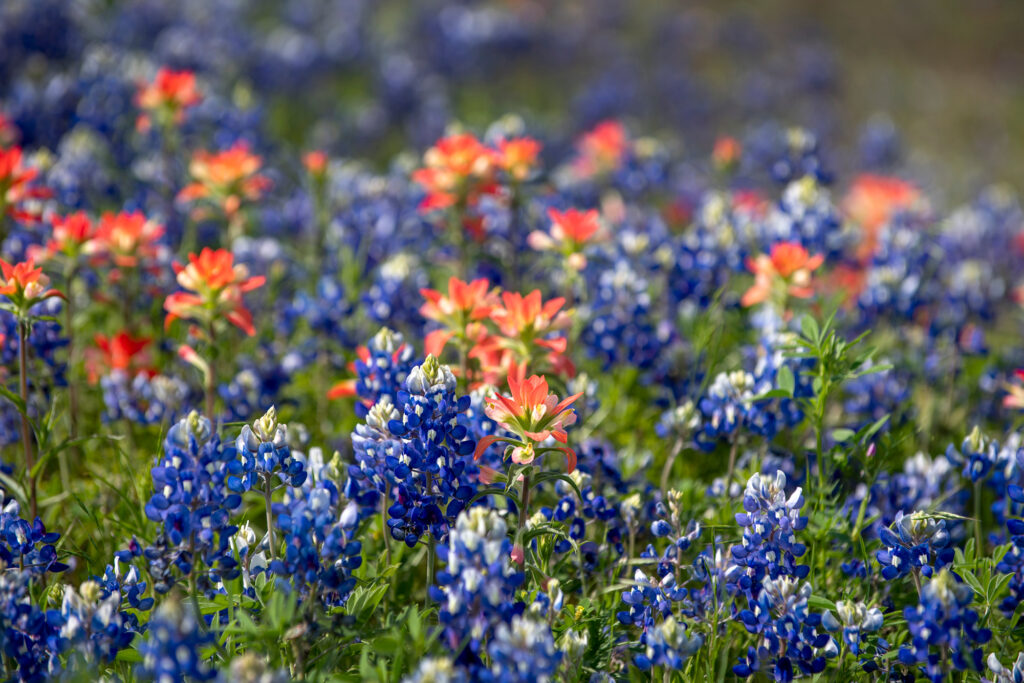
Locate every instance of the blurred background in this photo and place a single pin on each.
(934, 86)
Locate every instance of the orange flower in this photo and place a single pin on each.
(457, 169)
(518, 157)
(528, 315)
(24, 284)
(602, 149)
(225, 178)
(315, 162)
(8, 131)
(70, 235)
(15, 180)
(789, 265)
(166, 97)
(726, 153)
(872, 201)
(570, 231)
(465, 303)
(126, 238)
(218, 285)
(1015, 397)
(119, 352)
(532, 414)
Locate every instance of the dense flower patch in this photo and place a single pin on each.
(519, 404)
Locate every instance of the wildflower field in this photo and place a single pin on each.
(343, 340)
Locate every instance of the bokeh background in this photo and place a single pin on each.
(932, 85)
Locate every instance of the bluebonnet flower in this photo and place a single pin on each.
(787, 154)
(1012, 561)
(127, 583)
(326, 310)
(320, 550)
(259, 382)
(392, 296)
(770, 522)
(978, 455)
(924, 482)
(172, 650)
(647, 599)
(668, 645)
(476, 590)
(788, 633)
(27, 635)
(26, 545)
(806, 216)
(919, 543)
(433, 455)
(265, 455)
(382, 369)
(94, 624)
(855, 620)
(944, 630)
(143, 399)
(731, 402)
(437, 670)
(192, 502)
(521, 652)
(1013, 674)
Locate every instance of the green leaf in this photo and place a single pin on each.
(13, 398)
(809, 328)
(842, 434)
(549, 476)
(495, 492)
(785, 380)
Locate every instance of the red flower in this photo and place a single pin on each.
(518, 157)
(167, 97)
(520, 316)
(602, 149)
(872, 201)
(315, 162)
(789, 265)
(457, 170)
(70, 236)
(126, 238)
(15, 185)
(25, 284)
(532, 414)
(218, 285)
(1015, 397)
(225, 178)
(120, 352)
(464, 304)
(570, 231)
(726, 153)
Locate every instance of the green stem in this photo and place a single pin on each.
(26, 432)
(270, 515)
(524, 513)
(211, 376)
(385, 532)
(431, 549)
(978, 541)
